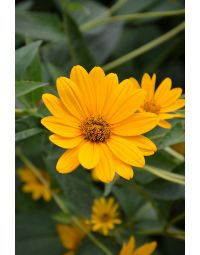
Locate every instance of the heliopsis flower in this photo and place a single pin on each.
(96, 119)
(163, 101)
(71, 236)
(33, 185)
(104, 215)
(129, 248)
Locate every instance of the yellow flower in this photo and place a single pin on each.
(104, 215)
(33, 185)
(71, 236)
(95, 118)
(129, 248)
(163, 101)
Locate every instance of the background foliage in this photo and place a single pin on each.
(51, 37)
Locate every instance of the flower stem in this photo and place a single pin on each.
(60, 203)
(174, 153)
(172, 177)
(144, 48)
(99, 20)
(104, 19)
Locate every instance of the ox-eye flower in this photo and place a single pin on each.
(71, 236)
(31, 184)
(96, 118)
(145, 249)
(105, 215)
(164, 101)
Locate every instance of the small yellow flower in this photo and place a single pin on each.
(71, 236)
(129, 248)
(104, 215)
(163, 101)
(97, 120)
(33, 185)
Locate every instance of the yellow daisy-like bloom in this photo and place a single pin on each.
(163, 101)
(71, 236)
(33, 185)
(104, 215)
(129, 248)
(96, 119)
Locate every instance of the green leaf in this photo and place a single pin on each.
(89, 248)
(25, 87)
(76, 42)
(39, 25)
(36, 234)
(27, 133)
(166, 137)
(24, 57)
(164, 190)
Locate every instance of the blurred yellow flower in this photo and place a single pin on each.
(71, 236)
(97, 120)
(129, 248)
(163, 101)
(104, 215)
(33, 185)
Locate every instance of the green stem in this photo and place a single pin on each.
(172, 177)
(98, 21)
(103, 19)
(141, 50)
(178, 234)
(22, 112)
(174, 153)
(60, 203)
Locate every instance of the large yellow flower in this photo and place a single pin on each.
(163, 101)
(71, 236)
(96, 119)
(129, 248)
(33, 185)
(104, 215)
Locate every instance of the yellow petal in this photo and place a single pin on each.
(123, 169)
(84, 83)
(164, 124)
(126, 106)
(61, 127)
(111, 83)
(105, 170)
(66, 142)
(100, 87)
(171, 97)
(89, 154)
(146, 249)
(125, 150)
(71, 97)
(167, 116)
(146, 152)
(134, 83)
(68, 162)
(54, 105)
(162, 90)
(129, 247)
(137, 124)
(148, 84)
(144, 143)
(174, 106)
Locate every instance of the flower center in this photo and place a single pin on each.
(95, 129)
(105, 217)
(150, 106)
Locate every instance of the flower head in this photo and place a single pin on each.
(104, 215)
(129, 248)
(33, 185)
(163, 101)
(97, 120)
(71, 236)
